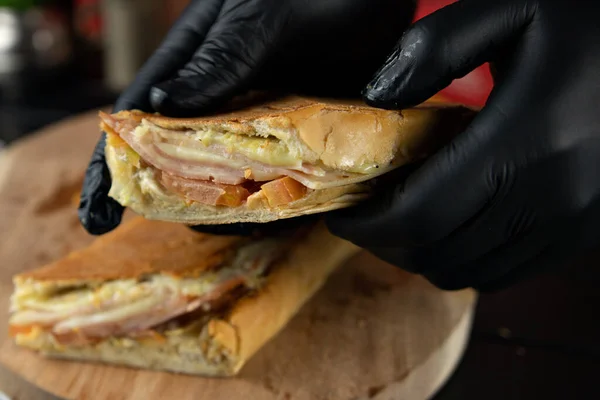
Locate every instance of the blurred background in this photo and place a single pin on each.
(62, 57)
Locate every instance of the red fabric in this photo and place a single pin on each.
(88, 18)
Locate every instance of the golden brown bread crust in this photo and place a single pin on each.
(136, 248)
(227, 342)
(339, 133)
(254, 320)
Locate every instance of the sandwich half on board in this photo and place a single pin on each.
(273, 160)
(157, 295)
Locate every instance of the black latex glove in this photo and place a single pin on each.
(519, 190)
(221, 48)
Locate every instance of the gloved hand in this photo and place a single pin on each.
(519, 190)
(221, 48)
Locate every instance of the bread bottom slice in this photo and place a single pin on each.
(220, 346)
(178, 356)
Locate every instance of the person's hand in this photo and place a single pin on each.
(519, 190)
(222, 48)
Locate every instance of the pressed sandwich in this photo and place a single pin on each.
(157, 295)
(274, 160)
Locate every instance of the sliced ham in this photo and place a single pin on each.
(130, 318)
(233, 170)
(191, 170)
(139, 316)
(123, 321)
(211, 174)
(48, 317)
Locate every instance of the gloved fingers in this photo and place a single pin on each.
(455, 184)
(483, 250)
(178, 47)
(453, 188)
(444, 46)
(450, 188)
(507, 264)
(493, 270)
(506, 242)
(97, 212)
(579, 235)
(274, 228)
(238, 43)
(511, 237)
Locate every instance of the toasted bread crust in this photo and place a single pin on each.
(255, 320)
(137, 248)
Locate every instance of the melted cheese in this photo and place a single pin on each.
(114, 315)
(266, 150)
(113, 295)
(195, 155)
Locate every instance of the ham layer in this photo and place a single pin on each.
(128, 308)
(120, 316)
(211, 173)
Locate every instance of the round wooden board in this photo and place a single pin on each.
(373, 332)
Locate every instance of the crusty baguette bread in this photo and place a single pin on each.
(224, 342)
(135, 248)
(334, 134)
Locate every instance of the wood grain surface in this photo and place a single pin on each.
(373, 332)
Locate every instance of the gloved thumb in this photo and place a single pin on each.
(444, 46)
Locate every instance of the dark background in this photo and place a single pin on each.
(536, 340)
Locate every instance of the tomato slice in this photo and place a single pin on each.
(283, 191)
(14, 330)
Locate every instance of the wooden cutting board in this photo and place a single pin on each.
(373, 332)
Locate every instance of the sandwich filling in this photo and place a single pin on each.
(220, 168)
(78, 314)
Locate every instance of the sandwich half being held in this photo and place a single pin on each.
(273, 160)
(158, 295)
